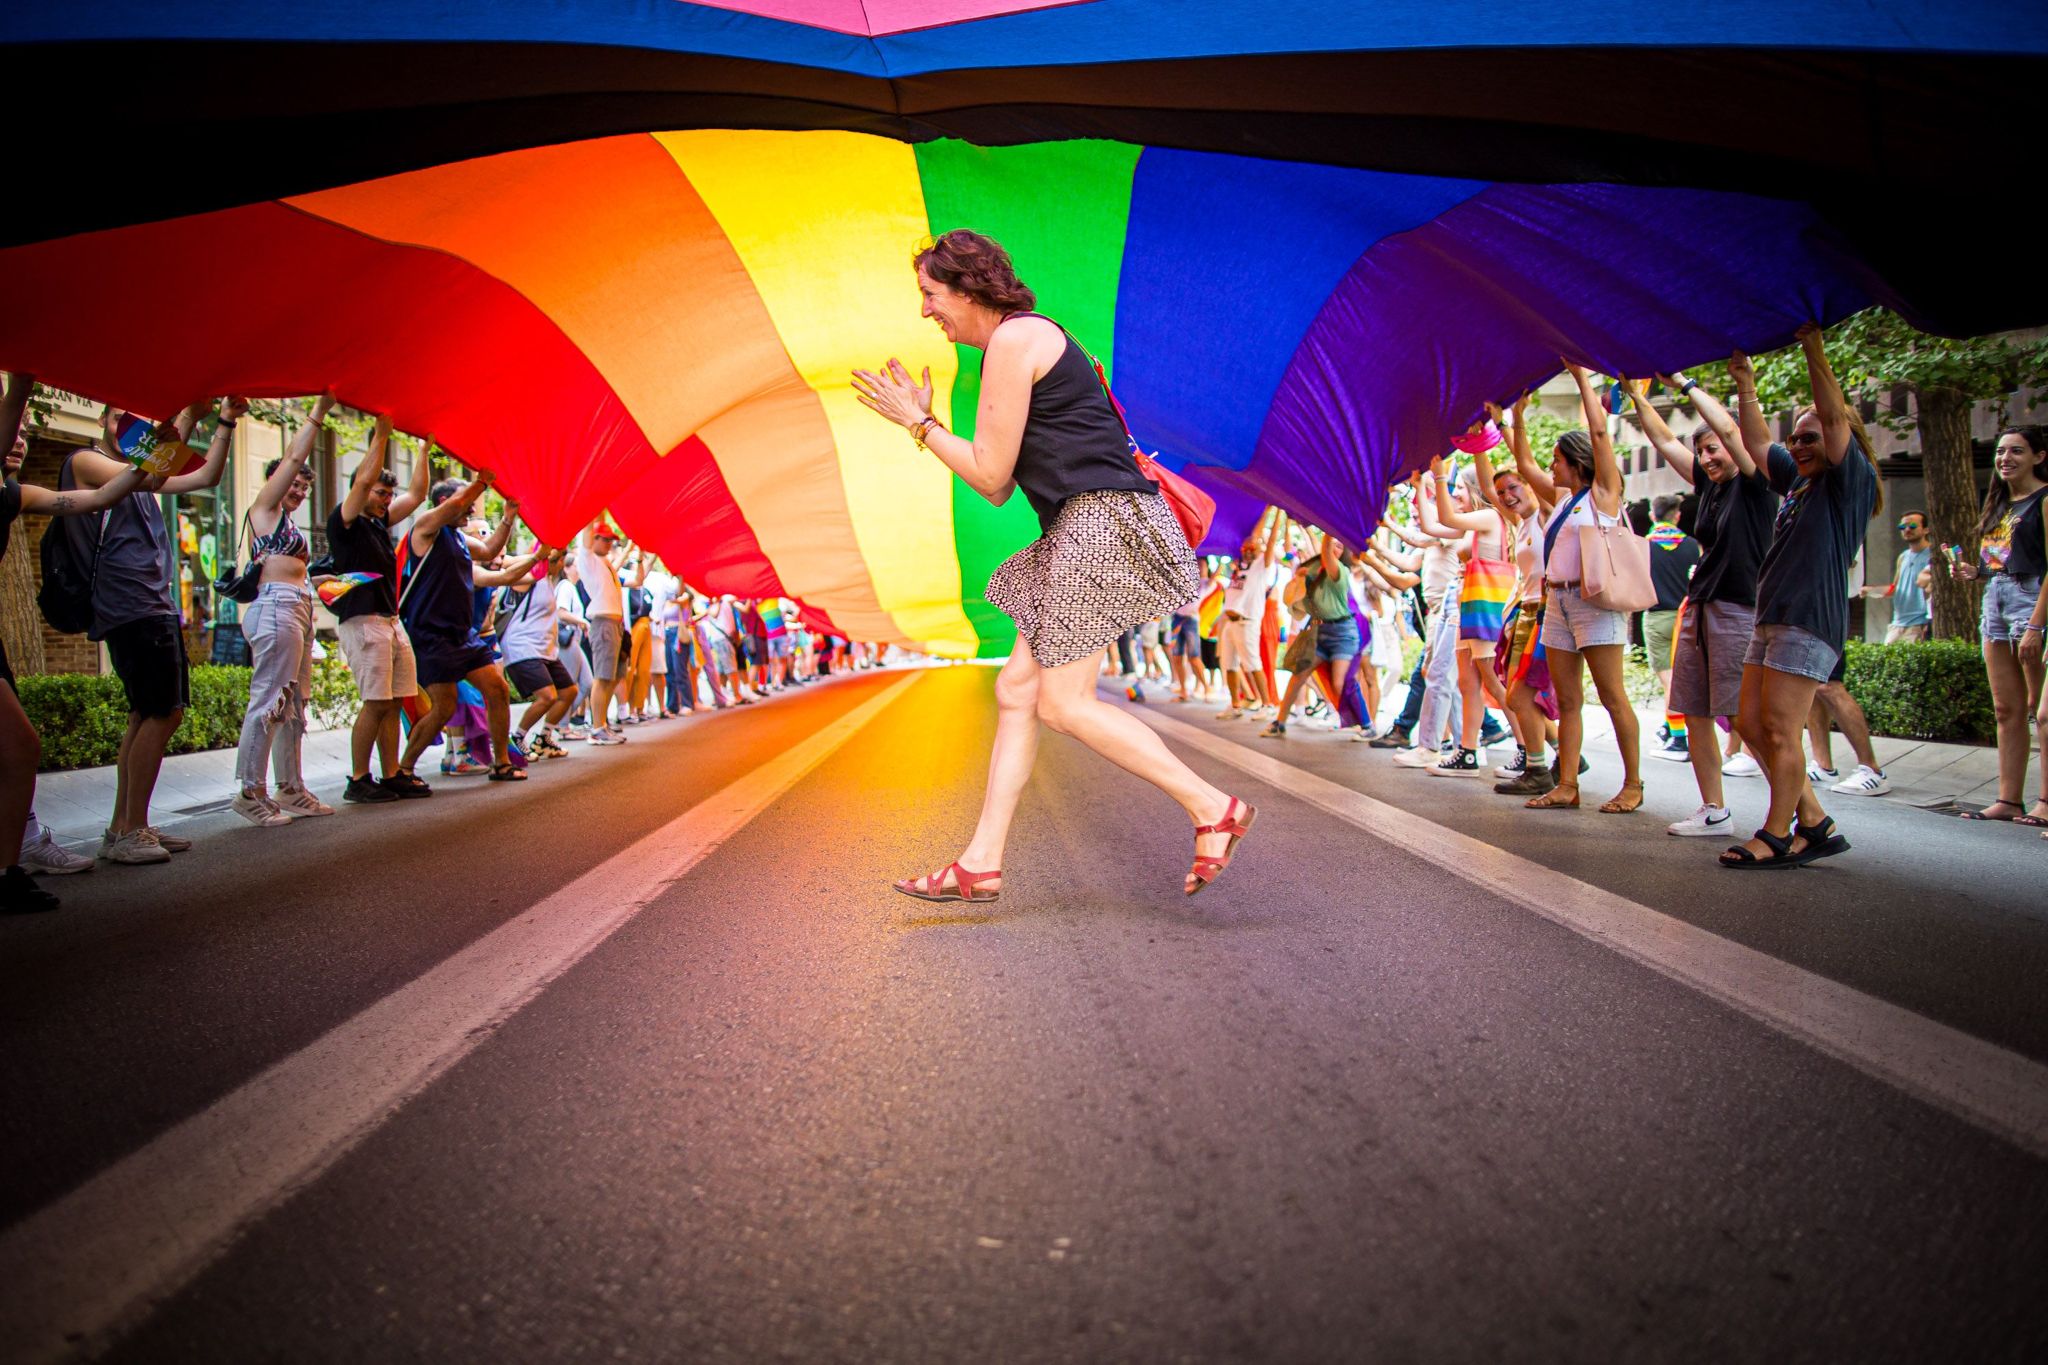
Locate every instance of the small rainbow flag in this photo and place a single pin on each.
(1488, 588)
(1210, 612)
(342, 584)
(772, 624)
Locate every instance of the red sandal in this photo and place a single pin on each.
(1208, 866)
(932, 887)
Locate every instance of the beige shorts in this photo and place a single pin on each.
(379, 655)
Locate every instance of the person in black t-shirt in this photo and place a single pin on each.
(1829, 488)
(373, 639)
(1732, 524)
(2012, 556)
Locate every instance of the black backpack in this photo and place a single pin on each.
(70, 557)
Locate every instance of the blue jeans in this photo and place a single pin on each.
(677, 651)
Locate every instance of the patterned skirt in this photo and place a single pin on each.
(1112, 560)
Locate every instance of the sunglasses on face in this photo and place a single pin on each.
(1909, 526)
(1804, 438)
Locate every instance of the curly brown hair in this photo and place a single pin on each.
(978, 267)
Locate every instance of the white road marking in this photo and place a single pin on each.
(83, 1269)
(1987, 1085)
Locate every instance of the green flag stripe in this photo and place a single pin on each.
(1060, 209)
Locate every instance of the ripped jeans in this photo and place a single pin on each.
(279, 628)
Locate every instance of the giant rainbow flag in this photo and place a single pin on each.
(625, 253)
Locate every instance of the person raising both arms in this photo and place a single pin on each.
(1578, 637)
(1112, 553)
(135, 613)
(1484, 591)
(21, 749)
(1829, 488)
(2012, 556)
(1518, 660)
(373, 639)
(1733, 526)
(437, 603)
(279, 628)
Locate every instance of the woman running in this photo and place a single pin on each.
(1112, 553)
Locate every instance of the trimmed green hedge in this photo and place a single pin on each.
(1932, 689)
(81, 716)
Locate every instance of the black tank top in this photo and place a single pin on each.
(1073, 440)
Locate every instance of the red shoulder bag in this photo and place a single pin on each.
(1192, 508)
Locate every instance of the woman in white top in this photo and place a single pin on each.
(1585, 481)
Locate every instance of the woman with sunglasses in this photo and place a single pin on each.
(1829, 487)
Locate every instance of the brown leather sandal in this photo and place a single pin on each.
(966, 885)
(1207, 866)
(1615, 805)
(1556, 798)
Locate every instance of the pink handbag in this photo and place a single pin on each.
(1614, 568)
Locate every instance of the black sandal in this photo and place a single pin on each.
(1994, 819)
(1822, 840)
(505, 772)
(1741, 859)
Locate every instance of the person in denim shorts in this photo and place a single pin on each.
(2011, 557)
(1830, 491)
(1586, 481)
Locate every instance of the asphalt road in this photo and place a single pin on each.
(1347, 1105)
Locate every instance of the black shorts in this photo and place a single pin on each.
(149, 658)
(529, 676)
(1210, 661)
(437, 661)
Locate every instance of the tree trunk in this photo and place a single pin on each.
(21, 625)
(1943, 417)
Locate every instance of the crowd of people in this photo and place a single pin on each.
(1746, 635)
(445, 625)
(1745, 621)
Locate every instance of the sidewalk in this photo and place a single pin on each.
(74, 805)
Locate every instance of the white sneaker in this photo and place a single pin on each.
(136, 846)
(605, 737)
(1819, 775)
(1232, 714)
(1742, 765)
(1514, 767)
(258, 810)
(1865, 781)
(297, 802)
(1707, 822)
(48, 858)
(1415, 756)
(173, 843)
